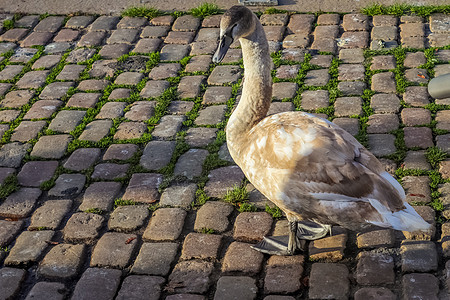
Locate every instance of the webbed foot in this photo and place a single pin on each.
(299, 231)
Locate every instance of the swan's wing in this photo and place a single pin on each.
(321, 159)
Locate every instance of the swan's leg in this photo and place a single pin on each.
(308, 230)
(299, 231)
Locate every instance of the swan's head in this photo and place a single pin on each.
(236, 22)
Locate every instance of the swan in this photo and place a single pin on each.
(313, 170)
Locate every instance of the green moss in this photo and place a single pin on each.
(8, 186)
(205, 230)
(200, 198)
(122, 202)
(153, 207)
(8, 24)
(435, 155)
(273, 10)
(146, 12)
(400, 9)
(236, 195)
(274, 211)
(205, 9)
(96, 211)
(247, 207)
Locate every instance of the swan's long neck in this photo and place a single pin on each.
(257, 89)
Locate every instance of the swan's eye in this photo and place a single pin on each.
(230, 32)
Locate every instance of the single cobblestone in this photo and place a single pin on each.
(418, 137)
(10, 281)
(191, 276)
(348, 106)
(235, 287)
(213, 215)
(66, 121)
(20, 204)
(351, 88)
(63, 261)
(224, 75)
(375, 293)
(27, 130)
(42, 109)
(416, 160)
(96, 283)
(47, 61)
(165, 224)
(312, 100)
(56, 90)
(283, 274)
(70, 72)
(382, 144)
(416, 96)
(143, 187)
(141, 287)
(96, 130)
(12, 154)
(252, 226)
(51, 146)
(190, 163)
(383, 82)
(82, 159)
(211, 115)
(418, 256)
(110, 171)
(336, 275)
(157, 154)
(83, 227)
(222, 180)
(128, 218)
(425, 286)
(241, 258)
(34, 173)
(376, 238)
(141, 111)
(168, 127)
(68, 185)
(114, 250)
(382, 123)
(100, 195)
(48, 290)
(415, 116)
(329, 248)
(9, 230)
(375, 269)
(120, 152)
(50, 214)
(29, 247)
(155, 259)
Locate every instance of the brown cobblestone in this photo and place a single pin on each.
(114, 250)
(165, 224)
(283, 274)
(191, 276)
(241, 258)
(63, 261)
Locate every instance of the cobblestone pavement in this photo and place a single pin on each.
(114, 166)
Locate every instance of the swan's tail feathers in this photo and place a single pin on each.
(405, 220)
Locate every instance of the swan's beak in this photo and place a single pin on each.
(224, 44)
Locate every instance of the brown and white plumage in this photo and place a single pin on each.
(309, 167)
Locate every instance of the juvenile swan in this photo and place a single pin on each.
(316, 172)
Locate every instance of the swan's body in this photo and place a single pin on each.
(309, 167)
